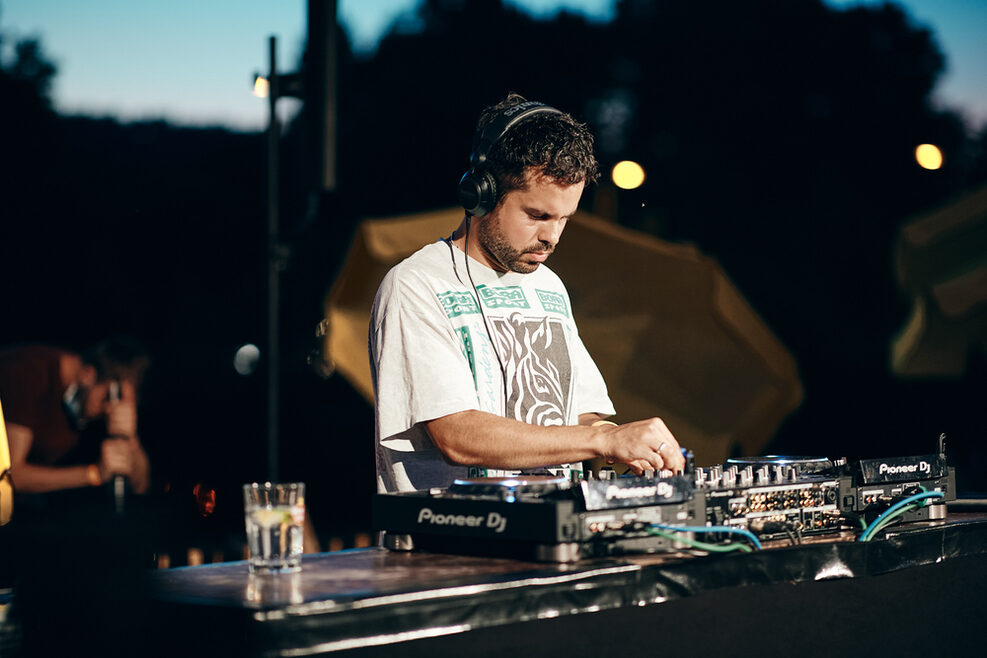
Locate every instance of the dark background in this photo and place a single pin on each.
(777, 136)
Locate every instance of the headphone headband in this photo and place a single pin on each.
(478, 187)
(499, 127)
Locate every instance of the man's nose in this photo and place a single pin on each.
(550, 232)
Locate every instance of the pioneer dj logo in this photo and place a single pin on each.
(896, 469)
(660, 490)
(492, 521)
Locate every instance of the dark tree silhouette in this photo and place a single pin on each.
(777, 135)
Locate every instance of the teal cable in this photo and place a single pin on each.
(715, 548)
(710, 528)
(893, 511)
(891, 518)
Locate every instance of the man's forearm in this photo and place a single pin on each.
(479, 438)
(476, 437)
(30, 478)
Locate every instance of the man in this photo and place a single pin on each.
(477, 364)
(72, 419)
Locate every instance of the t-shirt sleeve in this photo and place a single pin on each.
(23, 382)
(420, 371)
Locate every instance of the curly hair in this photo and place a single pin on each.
(118, 357)
(554, 144)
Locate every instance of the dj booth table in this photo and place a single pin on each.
(921, 591)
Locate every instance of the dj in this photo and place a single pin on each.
(477, 365)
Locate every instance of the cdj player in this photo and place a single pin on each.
(539, 517)
(722, 507)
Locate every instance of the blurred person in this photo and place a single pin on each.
(477, 365)
(71, 418)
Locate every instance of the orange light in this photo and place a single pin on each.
(205, 499)
(627, 175)
(195, 557)
(261, 86)
(928, 156)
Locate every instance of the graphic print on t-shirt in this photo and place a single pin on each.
(536, 352)
(533, 348)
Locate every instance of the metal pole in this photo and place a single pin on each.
(273, 270)
(320, 90)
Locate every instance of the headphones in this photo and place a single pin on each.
(478, 186)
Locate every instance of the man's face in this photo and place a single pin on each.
(520, 233)
(96, 393)
(92, 393)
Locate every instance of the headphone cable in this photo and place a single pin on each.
(493, 345)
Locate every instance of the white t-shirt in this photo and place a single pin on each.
(431, 356)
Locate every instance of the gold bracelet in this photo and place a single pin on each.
(92, 474)
(610, 460)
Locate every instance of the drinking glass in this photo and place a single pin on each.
(275, 518)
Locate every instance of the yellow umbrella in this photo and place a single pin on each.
(941, 262)
(6, 489)
(671, 334)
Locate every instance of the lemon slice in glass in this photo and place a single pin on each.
(268, 518)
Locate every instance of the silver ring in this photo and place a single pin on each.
(660, 446)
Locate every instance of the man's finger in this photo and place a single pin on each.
(127, 391)
(639, 466)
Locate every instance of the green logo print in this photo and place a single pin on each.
(457, 303)
(468, 352)
(507, 297)
(553, 301)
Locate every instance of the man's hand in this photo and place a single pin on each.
(125, 457)
(116, 458)
(643, 445)
(121, 415)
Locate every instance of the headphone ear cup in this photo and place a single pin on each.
(478, 192)
(469, 192)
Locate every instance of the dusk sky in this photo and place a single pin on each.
(191, 61)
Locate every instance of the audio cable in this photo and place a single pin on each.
(901, 507)
(483, 316)
(700, 545)
(711, 528)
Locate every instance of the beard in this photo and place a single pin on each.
(495, 243)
